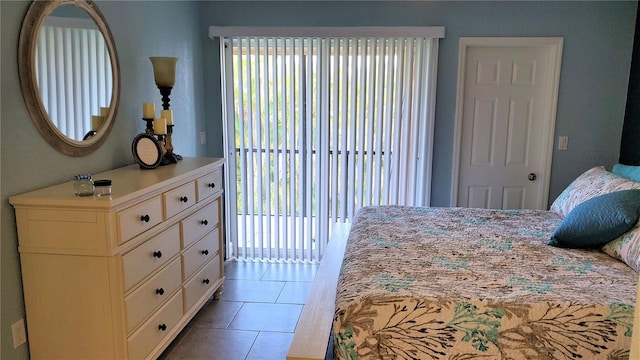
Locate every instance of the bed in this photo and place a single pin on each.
(460, 283)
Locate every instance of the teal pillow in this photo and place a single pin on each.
(598, 220)
(627, 171)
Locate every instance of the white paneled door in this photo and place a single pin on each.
(506, 117)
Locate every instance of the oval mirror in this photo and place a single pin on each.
(69, 74)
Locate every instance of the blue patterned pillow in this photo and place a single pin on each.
(598, 220)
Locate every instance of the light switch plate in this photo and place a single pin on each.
(563, 142)
(19, 333)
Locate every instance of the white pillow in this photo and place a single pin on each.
(626, 248)
(593, 182)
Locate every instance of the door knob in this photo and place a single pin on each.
(532, 176)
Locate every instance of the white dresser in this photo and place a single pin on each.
(119, 276)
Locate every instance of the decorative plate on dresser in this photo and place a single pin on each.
(147, 151)
(120, 276)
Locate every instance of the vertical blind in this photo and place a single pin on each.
(318, 128)
(73, 69)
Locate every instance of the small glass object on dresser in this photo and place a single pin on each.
(83, 185)
(103, 187)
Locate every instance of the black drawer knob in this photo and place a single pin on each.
(157, 254)
(160, 291)
(205, 252)
(145, 218)
(205, 281)
(162, 327)
(212, 185)
(204, 222)
(184, 199)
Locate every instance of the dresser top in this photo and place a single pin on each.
(128, 183)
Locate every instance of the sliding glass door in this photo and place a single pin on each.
(318, 128)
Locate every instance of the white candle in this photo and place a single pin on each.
(167, 114)
(148, 110)
(96, 122)
(160, 126)
(104, 111)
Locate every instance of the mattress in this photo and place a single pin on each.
(460, 283)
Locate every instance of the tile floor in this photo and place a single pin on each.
(254, 318)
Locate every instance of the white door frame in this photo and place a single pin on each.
(555, 46)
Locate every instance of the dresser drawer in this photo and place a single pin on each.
(209, 184)
(156, 329)
(152, 294)
(62, 230)
(201, 252)
(204, 280)
(139, 218)
(179, 199)
(143, 260)
(200, 223)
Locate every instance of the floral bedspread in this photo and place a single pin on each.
(459, 283)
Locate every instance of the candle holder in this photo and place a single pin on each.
(89, 135)
(164, 73)
(169, 156)
(149, 129)
(163, 147)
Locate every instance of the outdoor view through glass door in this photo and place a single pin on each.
(317, 128)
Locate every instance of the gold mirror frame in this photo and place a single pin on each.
(38, 11)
